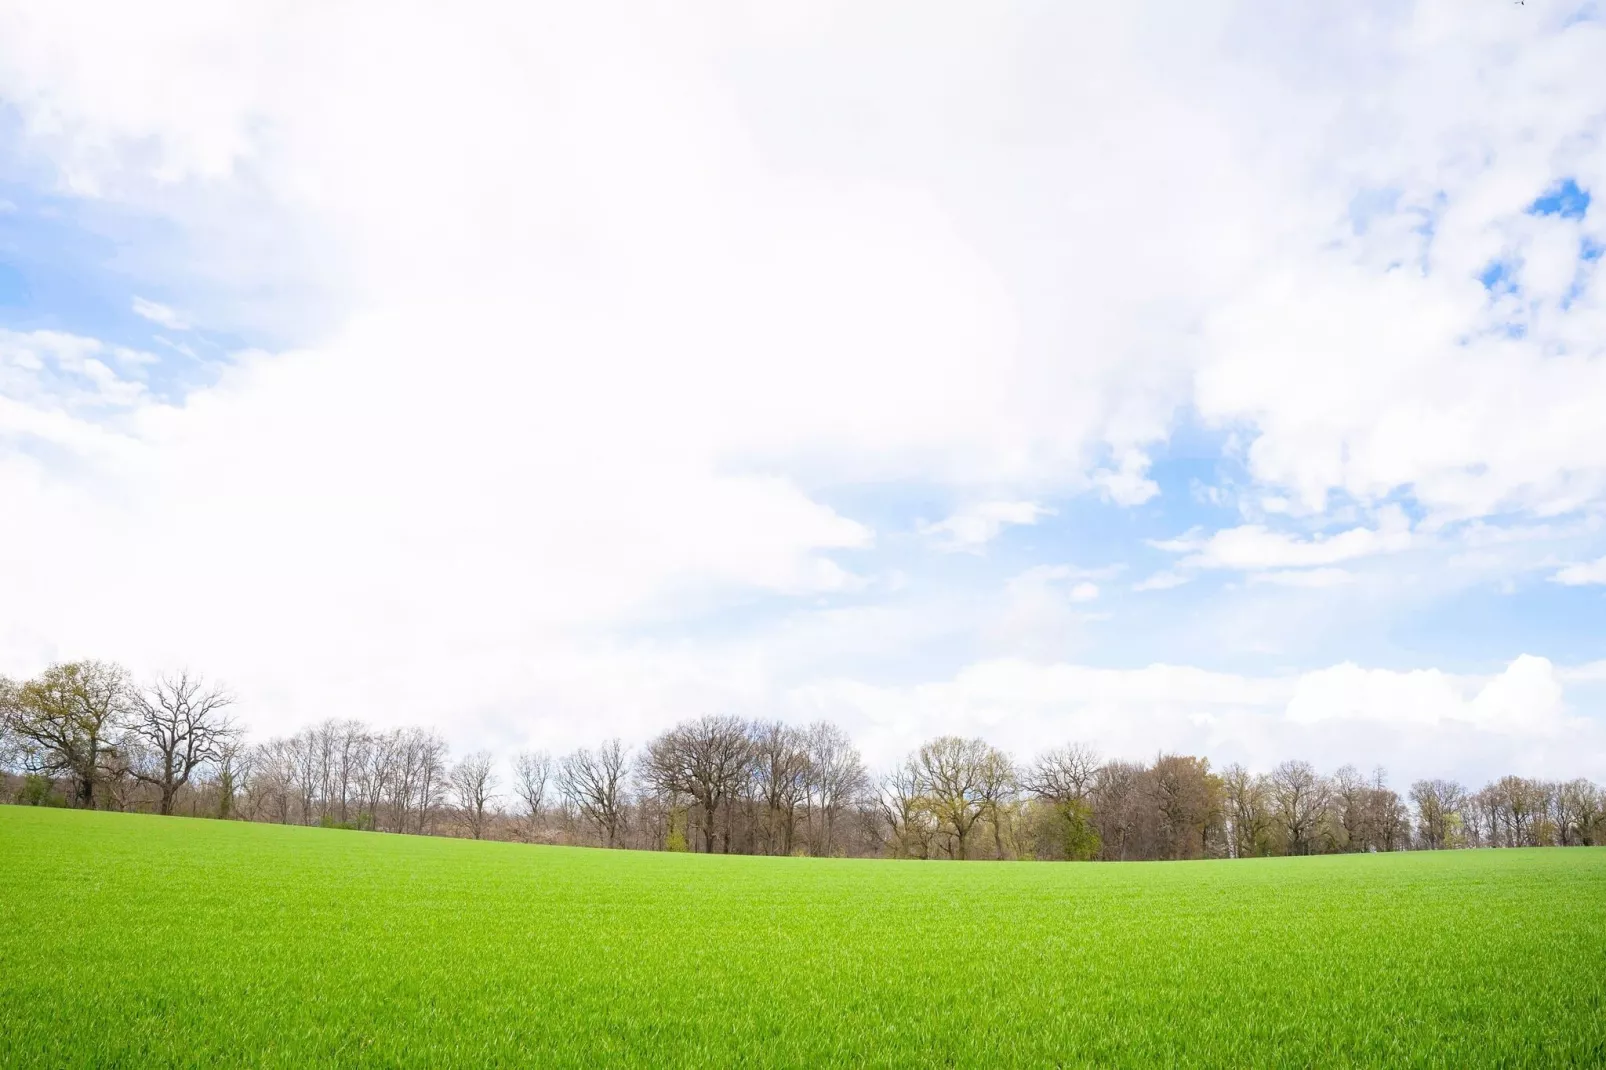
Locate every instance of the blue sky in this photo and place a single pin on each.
(1229, 384)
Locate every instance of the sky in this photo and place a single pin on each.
(1227, 379)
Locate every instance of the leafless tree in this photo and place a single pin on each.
(473, 785)
(1437, 803)
(1064, 774)
(1387, 815)
(532, 772)
(178, 724)
(376, 776)
(781, 776)
(1187, 802)
(268, 794)
(352, 742)
(1579, 814)
(1517, 806)
(1248, 805)
(420, 778)
(906, 814)
(119, 787)
(233, 769)
(836, 781)
(11, 747)
(721, 783)
(708, 759)
(1300, 798)
(1116, 798)
(594, 781)
(1351, 795)
(999, 786)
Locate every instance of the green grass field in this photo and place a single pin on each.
(138, 941)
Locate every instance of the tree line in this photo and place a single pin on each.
(85, 734)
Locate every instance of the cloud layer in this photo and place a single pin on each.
(581, 339)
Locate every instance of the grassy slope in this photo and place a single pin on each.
(128, 940)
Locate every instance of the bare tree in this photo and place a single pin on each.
(270, 792)
(836, 780)
(473, 785)
(1579, 813)
(1301, 798)
(351, 745)
(905, 811)
(1249, 818)
(953, 775)
(1437, 803)
(11, 746)
(1388, 817)
(1351, 795)
(1064, 774)
(420, 773)
(233, 769)
(594, 781)
(307, 773)
(708, 759)
(1187, 802)
(68, 718)
(1116, 799)
(376, 776)
(1517, 806)
(178, 724)
(1063, 779)
(781, 775)
(998, 788)
(532, 772)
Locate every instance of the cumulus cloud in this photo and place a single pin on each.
(1447, 305)
(57, 388)
(1128, 482)
(973, 528)
(604, 321)
(1163, 580)
(1584, 573)
(1255, 546)
(1417, 723)
(1305, 577)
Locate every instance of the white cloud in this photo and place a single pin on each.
(1044, 611)
(1375, 360)
(1583, 573)
(1255, 546)
(1305, 577)
(1161, 581)
(57, 387)
(1594, 671)
(602, 318)
(1526, 699)
(971, 529)
(1417, 723)
(1128, 482)
(159, 314)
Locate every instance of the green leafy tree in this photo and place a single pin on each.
(1079, 838)
(68, 719)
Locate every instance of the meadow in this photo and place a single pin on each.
(130, 940)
